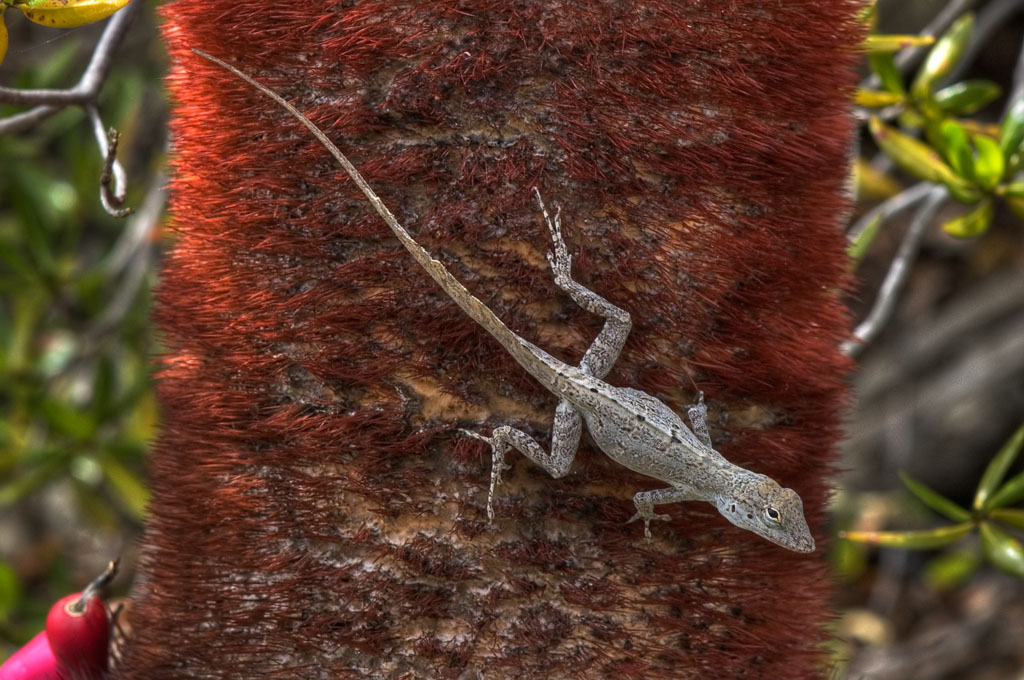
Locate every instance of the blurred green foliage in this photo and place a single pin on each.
(77, 410)
(989, 514)
(976, 162)
(926, 126)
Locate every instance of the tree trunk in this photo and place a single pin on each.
(315, 512)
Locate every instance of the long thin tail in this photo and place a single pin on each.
(523, 351)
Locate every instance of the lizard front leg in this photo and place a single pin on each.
(646, 500)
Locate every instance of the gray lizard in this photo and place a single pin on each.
(631, 427)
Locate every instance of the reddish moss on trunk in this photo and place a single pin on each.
(314, 513)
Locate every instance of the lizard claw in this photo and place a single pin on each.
(647, 517)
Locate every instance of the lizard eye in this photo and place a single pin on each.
(772, 514)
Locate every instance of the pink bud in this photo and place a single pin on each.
(79, 633)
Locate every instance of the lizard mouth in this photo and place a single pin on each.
(804, 546)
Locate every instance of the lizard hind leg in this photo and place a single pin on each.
(565, 438)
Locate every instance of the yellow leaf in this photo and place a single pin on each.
(924, 538)
(873, 184)
(894, 43)
(877, 99)
(68, 13)
(3, 35)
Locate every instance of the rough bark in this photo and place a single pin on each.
(315, 513)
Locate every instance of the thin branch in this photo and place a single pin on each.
(869, 329)
(906, 59)
(26, 119)
(992, 17)
(112, 199)
(1017, 88)
(139, 230)
(891, 206)
(136, 264)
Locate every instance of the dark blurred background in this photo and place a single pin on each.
(936, 395)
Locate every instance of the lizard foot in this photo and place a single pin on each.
(558, 258)
(647, 517)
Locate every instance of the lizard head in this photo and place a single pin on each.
(760, 505)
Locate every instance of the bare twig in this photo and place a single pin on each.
(112, 200)
(26, 119)
(990, 18)
(868, 329)
(133, 255)
(1017, 84)
(891, 206)
(85, 94)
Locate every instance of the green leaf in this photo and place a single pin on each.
(1009, 493)
(889, 43)
(943, 57)
(996, 470)
(989, 164)
(973, 223)
(951, 569)
(862, 242)
(951, 137)
(912, 540)
(10, 590)
(914, 156)
(884, 65)
(1011, 129)
(966, 97)
(67, 420)
(1016, 205)
(1011, 516)
(1002, 549)
(1014, 189)
(935, 501)
(129, 487)
(877, 99)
